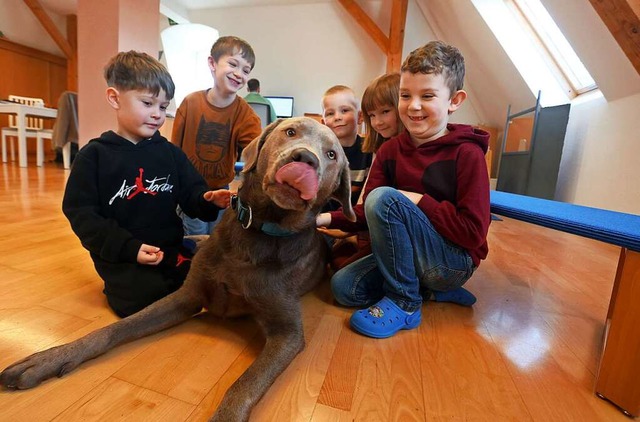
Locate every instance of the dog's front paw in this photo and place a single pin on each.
(31, 371)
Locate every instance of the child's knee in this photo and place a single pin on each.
(340, 290)
(138, 296)
(379, 199)
(122, 307)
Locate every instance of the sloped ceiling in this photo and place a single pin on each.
(622, 17)
(492, 79)
(605, 34)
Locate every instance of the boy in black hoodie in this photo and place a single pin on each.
(124, 186)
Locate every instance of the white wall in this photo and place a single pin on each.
(21, 26)
(601, 158)
(303, 49)
(600, 161)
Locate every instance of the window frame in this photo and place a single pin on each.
(549, 51)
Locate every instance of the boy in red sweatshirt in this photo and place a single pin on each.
(426, 204)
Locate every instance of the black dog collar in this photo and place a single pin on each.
(244, 214)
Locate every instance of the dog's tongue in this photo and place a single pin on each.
(300, 176)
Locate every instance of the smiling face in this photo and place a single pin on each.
(230, 73)
(425, 104)
(384, 120)
(341, 115)
(139, 112)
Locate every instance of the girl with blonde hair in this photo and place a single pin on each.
(380, 111)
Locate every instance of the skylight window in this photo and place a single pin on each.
(556, 44)
(538, 49)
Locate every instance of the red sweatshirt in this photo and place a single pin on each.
(450, 173)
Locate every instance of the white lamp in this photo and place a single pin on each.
(187, 48)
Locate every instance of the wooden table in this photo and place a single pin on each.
(21, 111)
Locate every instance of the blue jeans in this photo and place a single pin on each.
(193, 226)
(408, 255)
(196, 226)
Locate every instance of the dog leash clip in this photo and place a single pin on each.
(243, 214)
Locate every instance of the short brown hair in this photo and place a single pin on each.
(133, 70)
(438, 58)
(382, 91)
(231, 46)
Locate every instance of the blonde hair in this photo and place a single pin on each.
(382, 91)
(338, 89)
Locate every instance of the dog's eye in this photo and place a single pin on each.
(290, 132)
(331, 155)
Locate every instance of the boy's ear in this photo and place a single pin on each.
(360, 118)
(212, 63)
(457, 100)
(113, 97)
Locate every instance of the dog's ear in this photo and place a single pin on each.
(251, 152)
(343, 192)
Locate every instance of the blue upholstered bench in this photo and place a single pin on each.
(619, 372)
(608, 226)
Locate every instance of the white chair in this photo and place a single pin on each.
(34, 127)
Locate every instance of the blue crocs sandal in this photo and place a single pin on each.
(384, 319)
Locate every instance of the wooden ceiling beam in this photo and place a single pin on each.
(396, 35)
(50, 27)
(390, 45)
(622, 18)
(367, 24)
(72, 62)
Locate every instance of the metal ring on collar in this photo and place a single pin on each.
(250, 219)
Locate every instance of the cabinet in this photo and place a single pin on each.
(532, 149)
(29, 72)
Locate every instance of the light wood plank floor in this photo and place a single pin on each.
(527, 351)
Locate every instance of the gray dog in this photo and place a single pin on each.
(262, 256)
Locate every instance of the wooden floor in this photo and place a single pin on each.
(527, 351)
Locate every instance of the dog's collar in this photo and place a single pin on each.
(244, 214)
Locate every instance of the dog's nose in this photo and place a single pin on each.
(302, 155)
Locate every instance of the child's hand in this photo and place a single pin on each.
(220, 197)
(335, 233)
(150, 255)
(413, 197)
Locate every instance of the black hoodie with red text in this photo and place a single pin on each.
(120, 195)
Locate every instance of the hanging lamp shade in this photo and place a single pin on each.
(187, 48)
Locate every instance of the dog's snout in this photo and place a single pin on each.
(302, 155)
